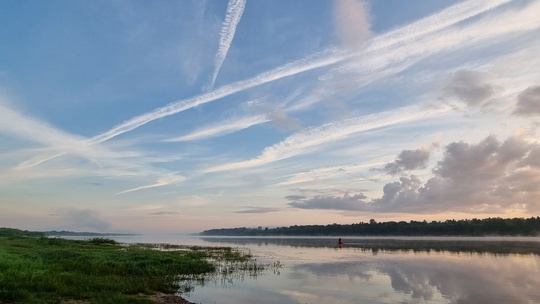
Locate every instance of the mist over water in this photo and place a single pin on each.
(374, 270)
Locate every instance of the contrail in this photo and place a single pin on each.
(443, 19)
(306, 64)
(312, 138)
(433, 23)
(235, 9)
(224, 128)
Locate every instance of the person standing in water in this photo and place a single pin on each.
(340, 242)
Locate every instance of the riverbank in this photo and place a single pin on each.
(99, 270)
(163, 298)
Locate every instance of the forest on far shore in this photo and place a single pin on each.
(466, 227)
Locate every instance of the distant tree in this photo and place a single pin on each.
(473, 227)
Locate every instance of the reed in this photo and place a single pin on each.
(99, 270)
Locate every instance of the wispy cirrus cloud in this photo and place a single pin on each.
(328, 173)
(223, 128)
(258, 210)
(15, 124)
(426, 26)
(385, 55)
(52, 141)
(171, 178)
(383, 47)
(314, 138)
(235, 9)
(411, 32)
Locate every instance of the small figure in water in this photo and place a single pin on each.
(340, 242)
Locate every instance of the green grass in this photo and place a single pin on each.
(53, 270)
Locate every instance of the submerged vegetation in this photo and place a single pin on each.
(468, 227)
(99, 270)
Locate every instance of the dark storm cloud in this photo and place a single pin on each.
(408, 160)
(528, 103)
(487, 177)
(470, 87)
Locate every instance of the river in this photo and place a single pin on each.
(374, 270)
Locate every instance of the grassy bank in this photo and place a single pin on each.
(50, 270)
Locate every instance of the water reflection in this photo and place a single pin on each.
(465, 245)
(429, 280)
(383, 271)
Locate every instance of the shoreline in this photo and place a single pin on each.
(165, 298)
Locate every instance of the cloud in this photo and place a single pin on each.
(87, 218)
(408, 33)
(164, 213)
(484, 177)
(171, 178)
(295, 197)
(528, 103)
(223, 128)
(16, 124)
(470, 87)
(352, 23)
(280, 119)
(533, 159)
(387, 43)
(305, 64)
(408, 160)
(258, 210)
(487, 177)
(346, 202)
(311, 139)
(54, 143)
(235, 9)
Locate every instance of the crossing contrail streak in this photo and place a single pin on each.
(293, 68)
(235, 9)
(411, 32)
(316, 137)
(428, 25)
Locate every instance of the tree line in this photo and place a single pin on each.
(12, 232)
(465, 227)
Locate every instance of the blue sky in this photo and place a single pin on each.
(180, 116)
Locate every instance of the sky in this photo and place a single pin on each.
(181, 116)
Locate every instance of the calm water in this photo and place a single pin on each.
(376, 270)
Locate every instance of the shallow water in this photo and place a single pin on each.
(376, 270)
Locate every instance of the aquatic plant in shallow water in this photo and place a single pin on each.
(45, 270)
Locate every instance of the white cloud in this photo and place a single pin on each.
(487, 177)
(352, 23)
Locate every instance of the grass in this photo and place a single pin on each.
(99, 270)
